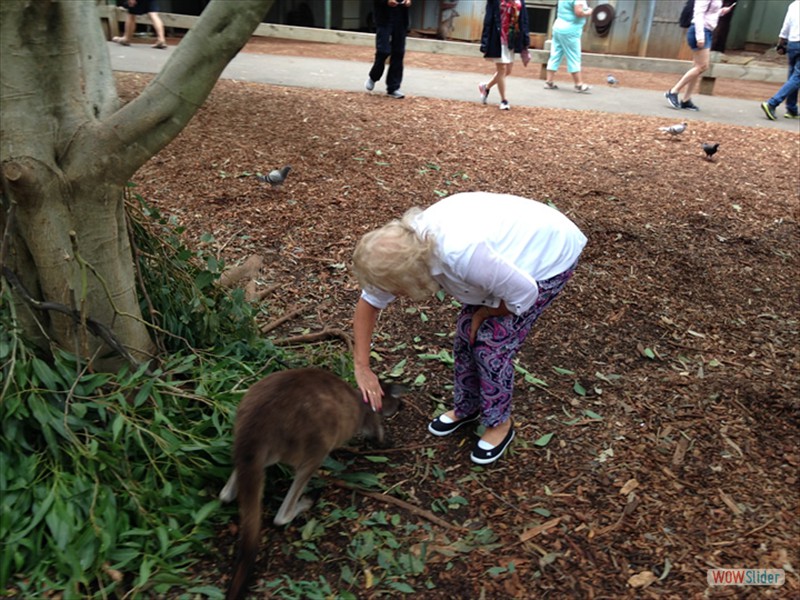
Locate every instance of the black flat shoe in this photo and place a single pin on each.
(438, 427)
(484, 456)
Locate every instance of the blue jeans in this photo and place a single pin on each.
(788, 91)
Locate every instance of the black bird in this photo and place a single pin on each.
(710, 149)
(275, 177)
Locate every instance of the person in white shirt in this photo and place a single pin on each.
(505, 258)
(788, 43)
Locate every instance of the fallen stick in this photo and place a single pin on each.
(420, 512)
(251, 294)
(327, 332)
(278, 322)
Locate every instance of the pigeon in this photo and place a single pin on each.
(275, 177)
(612, 80)
(674, 129)
(710, 149)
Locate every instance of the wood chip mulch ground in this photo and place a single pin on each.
(667, 372)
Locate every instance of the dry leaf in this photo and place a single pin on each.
(642, 580)
(730, 503)
(629, 486)
(534, 531)
(680, 451)
(114, 574)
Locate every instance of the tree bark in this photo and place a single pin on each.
(68, 149)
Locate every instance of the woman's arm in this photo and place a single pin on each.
(699, 21)
(581, 9)
(364, 321)
(483, 313)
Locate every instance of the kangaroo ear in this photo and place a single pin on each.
(392, 393)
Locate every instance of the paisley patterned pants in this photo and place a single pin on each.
(484, 372)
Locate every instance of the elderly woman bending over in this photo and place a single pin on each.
(505, 258)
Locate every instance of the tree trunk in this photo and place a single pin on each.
(67, 149)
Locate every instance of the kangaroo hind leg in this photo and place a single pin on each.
(228, 493)
(293, 504)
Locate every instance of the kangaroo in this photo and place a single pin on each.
(294, 417)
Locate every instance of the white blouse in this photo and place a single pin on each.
(493, 247)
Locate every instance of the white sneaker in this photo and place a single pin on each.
(504, 105)
(484, 92)
(369, 85)
(396, 94)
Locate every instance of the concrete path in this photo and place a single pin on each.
(333, 74)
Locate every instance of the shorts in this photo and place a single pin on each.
(692, 41)
(506, 56)
(142, 7)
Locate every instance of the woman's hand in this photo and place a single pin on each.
(483, 313)
(478, 317)
(363, 325)
(370, 387)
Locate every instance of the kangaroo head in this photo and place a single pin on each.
(392, 394)
(372, 428)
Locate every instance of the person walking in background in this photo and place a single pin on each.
(704, 20)
(567, 31)
(391, 27)
(505, 32)
(789, 44)
(505, 259)
(142, 7)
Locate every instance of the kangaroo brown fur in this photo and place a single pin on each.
(293, 417)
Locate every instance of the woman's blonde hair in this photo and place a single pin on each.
(396, 259)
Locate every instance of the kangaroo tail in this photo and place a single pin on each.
(251, 486)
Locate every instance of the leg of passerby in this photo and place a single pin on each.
(788, 93)
(572, 50)
(688, 83)
(394, 77)
(128, 31)
(793, 52)
(498, 80)
(383, 50)
(502, 70)
(556, 55)
(158, 25)
(701, 56)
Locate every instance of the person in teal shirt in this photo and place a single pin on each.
(567, 30)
